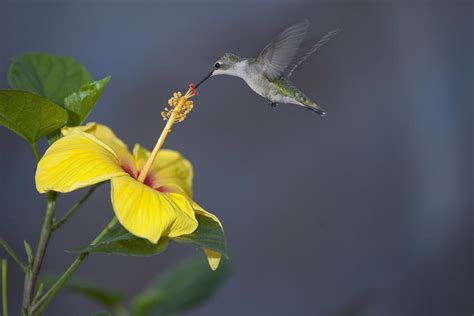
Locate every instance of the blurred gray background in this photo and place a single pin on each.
(367, 211)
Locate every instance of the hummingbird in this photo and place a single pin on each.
(268, 74)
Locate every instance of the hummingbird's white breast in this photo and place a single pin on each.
(251, 73)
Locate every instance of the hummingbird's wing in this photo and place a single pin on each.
(314, 48)
(278, 54)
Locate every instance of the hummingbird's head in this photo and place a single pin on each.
(224, 65)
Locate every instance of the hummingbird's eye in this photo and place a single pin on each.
(217, 65)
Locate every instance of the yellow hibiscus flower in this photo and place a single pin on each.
(158, 204)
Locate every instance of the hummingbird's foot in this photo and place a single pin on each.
(271, 103)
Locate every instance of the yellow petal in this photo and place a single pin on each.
(74, 162)
(149, 214)
(213, 258)
(67, 130)
(107, 136)
(169, 168)
(101, 132)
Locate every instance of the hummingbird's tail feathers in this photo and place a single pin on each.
(315, 108)
(314, 48)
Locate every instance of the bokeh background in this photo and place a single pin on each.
(368, 211)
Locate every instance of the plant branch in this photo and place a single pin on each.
(56, 225)
(12, 254)
(32, 275)
(4, 287)
(39, 307)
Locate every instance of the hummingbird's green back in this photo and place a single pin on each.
(285, 87)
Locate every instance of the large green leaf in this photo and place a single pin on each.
(29, 115)
(80, 104)
(53, 77)
(209, 234)
(107, 298)
(119, 241)
(185, 287)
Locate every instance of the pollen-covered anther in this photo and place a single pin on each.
(180, 106)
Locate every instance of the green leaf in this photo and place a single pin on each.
(209, 234)
(91, 291)
(106, 298)
(29, 252)
(80, 104)
(29, 115)
(119, 241)
(53, 77)
(187, 286)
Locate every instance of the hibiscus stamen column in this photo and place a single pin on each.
(180, 106)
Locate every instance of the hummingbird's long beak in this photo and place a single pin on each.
(204, 79)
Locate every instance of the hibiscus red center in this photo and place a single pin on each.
(149, 180)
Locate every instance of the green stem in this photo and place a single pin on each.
(32, 275)
(4, 287)
(39, 307)
(15, 258)
(38, 293)
(35, 151)
(74, 208)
